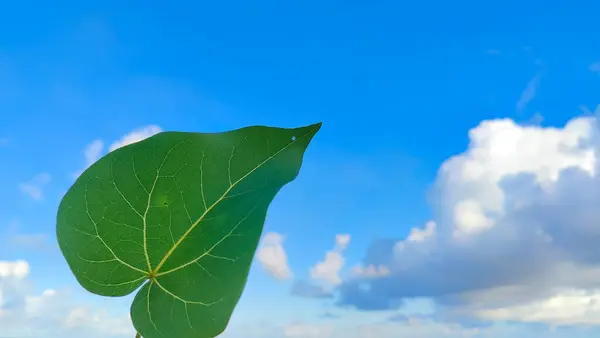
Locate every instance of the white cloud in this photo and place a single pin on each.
(98, 320)
(325, 274)
(418, 235)
(501, 148)
(34, 188)
(342, 241)
(51, 313)
(136, 136)
(272, 257)
(515, 235)
(417, 239)
(565, 307)
(93, 151)
(328, 270)
(14, 269)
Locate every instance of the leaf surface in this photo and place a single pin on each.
(179, 215)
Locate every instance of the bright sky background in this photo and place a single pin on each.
(451, 192)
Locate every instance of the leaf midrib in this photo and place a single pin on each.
(145, 216)
(155, 272)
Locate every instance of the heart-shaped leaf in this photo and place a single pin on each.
(179, 214)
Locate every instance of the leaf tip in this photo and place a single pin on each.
(314, 128)
(310, 131)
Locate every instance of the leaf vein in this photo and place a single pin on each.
(114, 284)
(87, 211)
(202, 176)
(148, 307)
(187, 232)
(184, 300)
(145, 217)
(208, 252)
(135, 173)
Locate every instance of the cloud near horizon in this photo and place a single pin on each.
(515, 235)
(51, 313)
(513, 240)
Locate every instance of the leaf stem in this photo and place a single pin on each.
(137, 335)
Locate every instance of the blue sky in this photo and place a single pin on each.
(507, 88)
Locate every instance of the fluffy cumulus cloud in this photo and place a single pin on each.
(50, 313)
(135, 136)
(93, 151)
(328, 270)
(515, 236)
(272, 257)
(325, 275)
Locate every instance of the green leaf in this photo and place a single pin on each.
(179, 214)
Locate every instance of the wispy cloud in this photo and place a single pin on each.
(34, 188)
(13, 238)
(587, 111)
(595, 67)
(92, 152)
(529, 92)
(35, 241)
